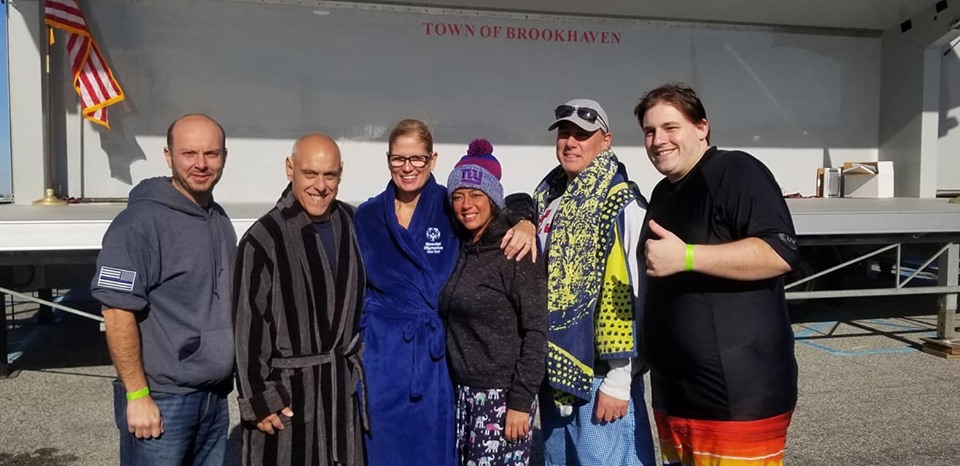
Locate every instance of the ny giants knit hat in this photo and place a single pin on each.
(479, 169)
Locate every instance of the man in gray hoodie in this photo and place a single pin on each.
(164, 280)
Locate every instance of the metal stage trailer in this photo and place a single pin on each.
(871, 227)
(55, 247)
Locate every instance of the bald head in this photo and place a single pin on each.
(314, 168)
(315, 143)
(192, 119)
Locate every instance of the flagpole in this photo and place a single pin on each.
(49, 197)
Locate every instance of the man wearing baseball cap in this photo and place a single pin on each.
(591, 216)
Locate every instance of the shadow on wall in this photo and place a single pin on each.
(948, 100)
(948, 157)
(120, 145)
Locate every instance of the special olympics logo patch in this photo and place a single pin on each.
(433, 233)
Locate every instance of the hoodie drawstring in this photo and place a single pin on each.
(213, 227)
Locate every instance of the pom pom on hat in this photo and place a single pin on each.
(479, 147)
(480, 153)
(479, 169)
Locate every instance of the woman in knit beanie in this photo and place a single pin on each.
(495, 314)
(477, 177)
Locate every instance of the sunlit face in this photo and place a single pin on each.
(314, 171)
(472, 209)
(577, 148)
(674, 143)
(197, 157)
(409, 179)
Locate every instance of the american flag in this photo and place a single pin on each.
(120, 279)
(92, 78)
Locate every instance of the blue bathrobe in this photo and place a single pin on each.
(409, 391)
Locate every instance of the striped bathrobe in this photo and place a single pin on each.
(297, 340)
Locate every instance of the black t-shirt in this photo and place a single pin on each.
(721, 349)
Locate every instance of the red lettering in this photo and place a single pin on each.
(521, 33)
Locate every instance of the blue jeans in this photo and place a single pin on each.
(194, 430)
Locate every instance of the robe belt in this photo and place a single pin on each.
(337, 358)
(425, 331)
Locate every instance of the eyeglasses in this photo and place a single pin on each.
(585, 113)
(416, 161)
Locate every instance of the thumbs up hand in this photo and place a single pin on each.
(665, 252)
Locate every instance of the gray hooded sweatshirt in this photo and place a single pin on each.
(168, 260)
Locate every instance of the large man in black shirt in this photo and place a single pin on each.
(718, 336)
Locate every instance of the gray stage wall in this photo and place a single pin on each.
(948, 163)
(269, 72)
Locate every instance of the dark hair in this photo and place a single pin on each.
(462, 232)
(415, 128)
(223, 134)
(680, 96)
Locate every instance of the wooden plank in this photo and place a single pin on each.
(935, 352)
(951, 347)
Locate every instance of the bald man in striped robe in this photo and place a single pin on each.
(298, 291)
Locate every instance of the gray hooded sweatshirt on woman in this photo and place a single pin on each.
(168, 260)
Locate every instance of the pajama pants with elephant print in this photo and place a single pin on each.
(481, 415)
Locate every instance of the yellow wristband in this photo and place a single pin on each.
(138, 394)
(688, 262)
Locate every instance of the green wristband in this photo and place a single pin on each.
(688, 262)
(138, 394)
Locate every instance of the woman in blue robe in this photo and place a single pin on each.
(409, 249)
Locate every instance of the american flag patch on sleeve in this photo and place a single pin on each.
(117, 279)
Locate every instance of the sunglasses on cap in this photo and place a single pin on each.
(585, 113)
